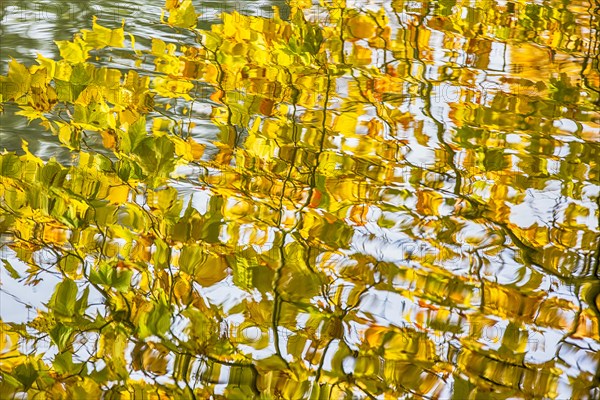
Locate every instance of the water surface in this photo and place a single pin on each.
(382, 199)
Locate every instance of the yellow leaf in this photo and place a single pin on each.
(63, 70)
(95, 116)
(100, 36)
(358, 214)
(16, 83)
(362, 55)
(74, 52)
(236, 209)
(159, 47)
(408, 345)
(346, 123)
(213, 270)
(154, 359)
(428, 202)
(108, 139)
(44, 98)
(197, 149)
(181, 289)
(374, 336)
(28, 155)
(49, 65)
(172, 88)
(302, 4)
(181, 14)
(31, 113)
(190, 150)
(361, 27)
(211, 74)
(54, 234)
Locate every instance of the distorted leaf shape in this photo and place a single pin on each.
(17, 82)
(73, 52)
(181, 13)
(100, 36)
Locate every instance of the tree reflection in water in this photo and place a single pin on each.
(394, 199)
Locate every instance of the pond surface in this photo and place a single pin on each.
(352, 200)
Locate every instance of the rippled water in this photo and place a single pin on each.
(417, 215)
(31, 27)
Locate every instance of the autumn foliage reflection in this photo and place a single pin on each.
(390, 201)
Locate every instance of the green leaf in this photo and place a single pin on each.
(69, 264)
(494, 160)
(157, 158)
(121, 280)
(61, 335)
(135, 134)
(11, 270)
(26, 374)
(82, 303)
(190, 259)
(161, 256)
(158, 321)
(109, 275)
(272, 363)
(63, 363)
(10, 165)
(63, 299)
